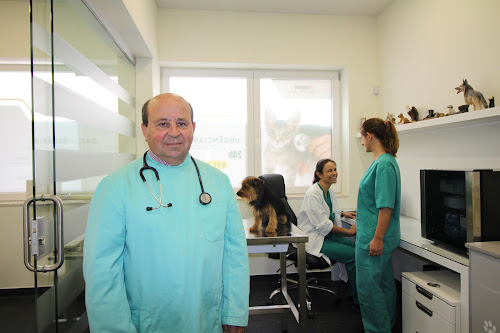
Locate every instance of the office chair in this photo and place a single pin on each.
(277, 184)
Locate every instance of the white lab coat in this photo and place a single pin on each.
(314, 220)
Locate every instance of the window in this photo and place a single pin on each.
(252, 122)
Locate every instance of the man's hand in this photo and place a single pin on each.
(232, 329)
(321, 147)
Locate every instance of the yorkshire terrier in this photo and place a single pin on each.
(266, 206)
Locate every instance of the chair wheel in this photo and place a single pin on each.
(269, 301)
(310, 314)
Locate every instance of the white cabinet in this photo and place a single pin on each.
(484, 286)
(431, 301)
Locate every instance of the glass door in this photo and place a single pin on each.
(82, 128)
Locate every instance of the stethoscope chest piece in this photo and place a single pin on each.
(205, 198)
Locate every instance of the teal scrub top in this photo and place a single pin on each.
(380, 187)
(328, 201)
(178, 269)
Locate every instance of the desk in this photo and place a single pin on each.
(259, 242)
(412, 242)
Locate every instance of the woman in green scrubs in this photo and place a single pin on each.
(378, 229)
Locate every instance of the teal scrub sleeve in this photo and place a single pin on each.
(108, 309)
(235, 266)
(385, 186)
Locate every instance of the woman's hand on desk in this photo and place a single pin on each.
(349, 215)
(352, 231)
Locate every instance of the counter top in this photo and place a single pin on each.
(411, 234)
(489, 248)
(411, 240)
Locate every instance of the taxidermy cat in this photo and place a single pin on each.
(280, 154)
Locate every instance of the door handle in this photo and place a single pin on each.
(28, 230)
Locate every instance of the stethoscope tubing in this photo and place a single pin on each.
(205, 198)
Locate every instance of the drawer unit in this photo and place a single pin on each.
(431, 301)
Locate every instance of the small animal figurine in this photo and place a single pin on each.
(403, 119)
(390, 117)
(463, 108)
(430, 114)
(413, 114)
(450, 110)
(471, 96)
(492, 102)
(266, 206)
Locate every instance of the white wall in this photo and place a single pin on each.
(135, 22)
(284, 40)
(425, 49)
(144, 13)
(14, 37)
(15, 42)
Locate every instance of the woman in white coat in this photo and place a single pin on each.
(319, 218)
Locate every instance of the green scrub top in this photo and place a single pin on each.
(380, 187)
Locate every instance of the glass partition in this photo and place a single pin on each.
(67, 114)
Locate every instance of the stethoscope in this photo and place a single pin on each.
(205, 198)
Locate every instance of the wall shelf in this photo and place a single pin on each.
(458, 120)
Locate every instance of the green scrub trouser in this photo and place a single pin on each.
(341, 249)
(376, 291)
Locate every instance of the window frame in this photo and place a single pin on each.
(254, 130)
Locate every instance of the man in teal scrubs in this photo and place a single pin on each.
(378, 228)
(158, 259)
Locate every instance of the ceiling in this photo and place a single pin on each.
(315, 7)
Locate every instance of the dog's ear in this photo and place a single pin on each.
(257, 182)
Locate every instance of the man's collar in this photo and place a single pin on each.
(157, 159)
(162, 162)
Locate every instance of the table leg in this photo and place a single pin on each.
(284, 289)
(301, 265)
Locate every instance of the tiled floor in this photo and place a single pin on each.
(17, 310)
(328, 317)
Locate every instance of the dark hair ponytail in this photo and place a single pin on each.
(319, 168)
(385, 131)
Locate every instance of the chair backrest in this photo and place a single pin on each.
(276, 183)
